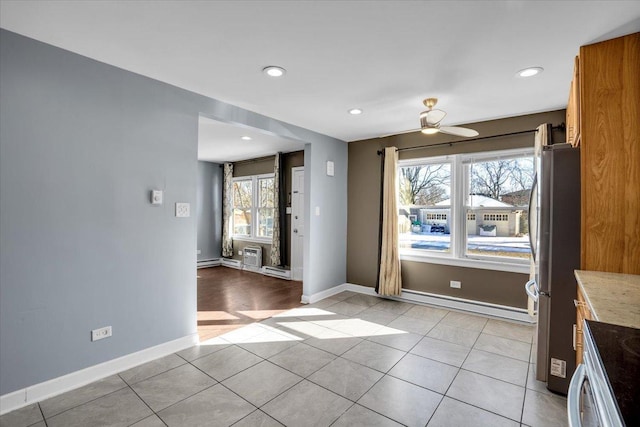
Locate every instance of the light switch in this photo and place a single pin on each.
(156, 197)
(330, 168)
(317, 210)
(288, 210)
(183, 210)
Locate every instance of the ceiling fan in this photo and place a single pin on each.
(430, 122)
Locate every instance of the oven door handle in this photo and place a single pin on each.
(573, 396)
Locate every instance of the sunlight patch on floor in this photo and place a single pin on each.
(304, 312)
(260, 314)
(215, 315)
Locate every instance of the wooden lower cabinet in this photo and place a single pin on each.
(582, 313)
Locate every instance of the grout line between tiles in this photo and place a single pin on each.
(84, 403)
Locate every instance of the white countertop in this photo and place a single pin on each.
(612, 297)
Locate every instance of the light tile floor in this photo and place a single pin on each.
(348, 360)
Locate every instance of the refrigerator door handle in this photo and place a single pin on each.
(531, 288)
(534, 191)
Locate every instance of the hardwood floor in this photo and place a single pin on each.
(230, 298)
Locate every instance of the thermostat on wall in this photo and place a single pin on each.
(156, 197)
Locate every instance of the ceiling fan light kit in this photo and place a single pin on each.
(430, 122)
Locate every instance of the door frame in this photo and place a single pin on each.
(297, 270)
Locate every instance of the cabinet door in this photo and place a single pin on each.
(573, 107)
(582, 313)
(610, 155)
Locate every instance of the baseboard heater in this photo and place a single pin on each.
(209, 263)
(232, 263)
(280, 273)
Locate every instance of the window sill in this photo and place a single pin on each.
(511, 267)
(263, 240)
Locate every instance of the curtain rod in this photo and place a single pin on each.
(561, 126)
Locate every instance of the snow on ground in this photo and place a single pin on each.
(442, 242)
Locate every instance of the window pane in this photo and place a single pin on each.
(498, 207)
(265, 222)
(265, 192)
(242, 221)
(242, 194)
(425, 207)
(242, 200)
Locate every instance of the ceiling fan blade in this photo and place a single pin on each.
(458, 131)
(435, 116)
(402, 132)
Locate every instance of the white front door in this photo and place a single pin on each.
(297, 221)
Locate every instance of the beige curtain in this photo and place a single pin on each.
(275, 240)
(390, 282)
(227, 211)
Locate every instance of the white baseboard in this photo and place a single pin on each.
(444, 301)
(232, 263)
(53, 387)
(278, 272)
(209, 263)
(310, 299)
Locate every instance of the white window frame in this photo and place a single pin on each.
(459, 187)
(254, 209)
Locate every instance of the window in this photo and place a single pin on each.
(265, 207)
(494, 217)
(425, 190)
(468, 208)
(242, 207)
(253, 206)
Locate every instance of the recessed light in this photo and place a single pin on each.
(274, 71)
(246, 138)
(355, 111)
(529, 72)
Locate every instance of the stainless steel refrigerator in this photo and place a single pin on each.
(555, 242)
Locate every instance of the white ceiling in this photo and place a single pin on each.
(381, 56)
(222, 142)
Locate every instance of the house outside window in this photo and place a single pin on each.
(253, 206)
(470, 209)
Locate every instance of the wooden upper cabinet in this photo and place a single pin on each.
(573, 107)
(609, 75)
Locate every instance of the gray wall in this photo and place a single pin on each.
(325, 254)
(81, 145)
(495, 287)
(209, 210)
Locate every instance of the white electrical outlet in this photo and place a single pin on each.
(455, 284)
(198, 252)
(183, 210)
(102, 333)
(239, 252)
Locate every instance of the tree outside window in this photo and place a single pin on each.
(242, 207)
(265, 207)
